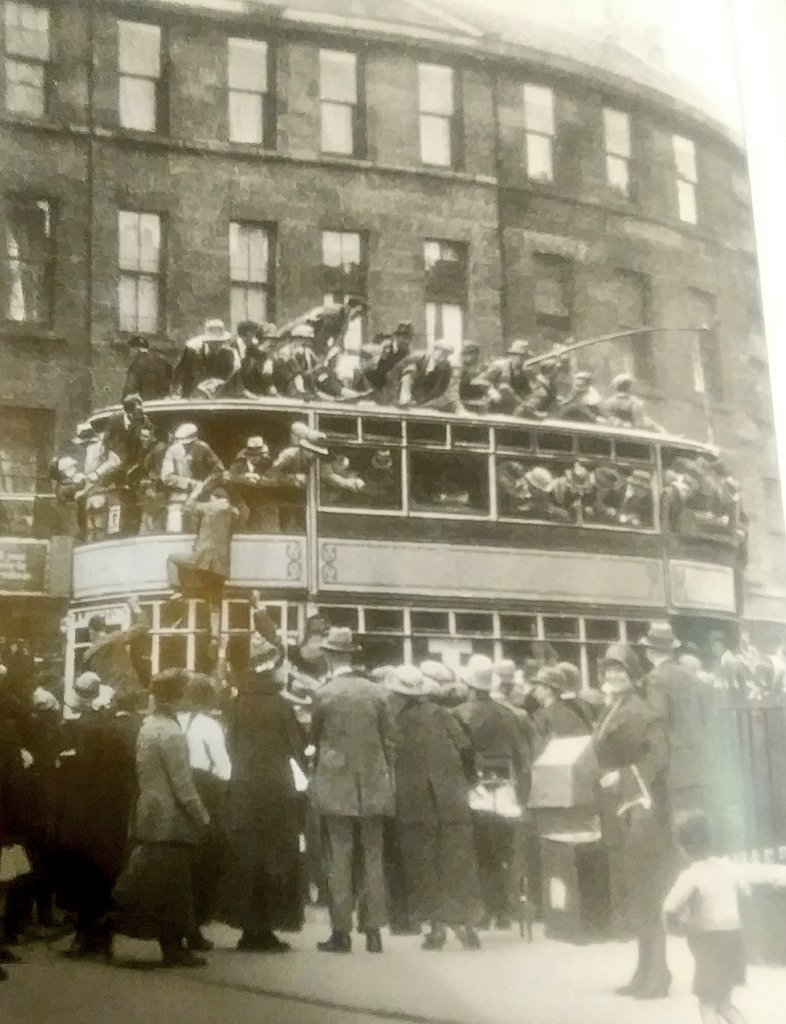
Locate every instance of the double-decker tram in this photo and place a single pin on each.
(434, 534)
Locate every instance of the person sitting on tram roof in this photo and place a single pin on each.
(507, 381)
(624, 409)
(295, 364)
(473, 392)
(206, 357)
(385, 377)
(188, 462)
(542, 401)
(258, 371)
(582, 403)
(149, 373)
(429, 381)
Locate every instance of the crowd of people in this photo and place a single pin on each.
(153, 810)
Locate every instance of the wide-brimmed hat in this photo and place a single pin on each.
(87, 685)
(256, 444)
(403, 329)
(660, 636)
(519, 347)
(505, 670)
(622, 380)
(437, 672)
(470, 346)
(552, 677)
(571, 675)
(216, 329)
(408, 681)
(340, 639)
(308, 438)
(168, 685)
(624, 656)
(541, 479)
(185, 432)
(478, 673)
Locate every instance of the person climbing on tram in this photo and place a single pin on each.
(429, 381)
(507, 381)
(149, 373)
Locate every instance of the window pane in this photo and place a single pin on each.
(444, 322)
(539, 157)
(147, 299)
(617, 132)
(138, 104)
(127, 304)
(337, 129)
(686, 197)
(24, 89)
(248, 304)
(435, 89)
(257, 254)
(338, 76)
(685, 157)
(149, 242)
(341, 249)
(448, 482)
(248, 65)
(246, 117)
(551, 288)
(140, 49)
(618, 173)
(28, 296)
(248, 253)
(435, 144)
(539, 109)
(27, 30)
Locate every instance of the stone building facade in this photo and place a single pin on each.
(164, 163)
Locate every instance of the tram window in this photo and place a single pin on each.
(381, 430)
(538, 493)
(203, 662)
(172, 651)
(384, 620)
(455, 483)
(518, 625)
(238, 616)
(380, 650)
(555, 442)
(636, 630)
(429, 622)
(202, 615)
(454, 651)
(339, 426)
(474, 623)
(558, 626)
(427, 433)
(475, 437)
(597, 446)
(361, 478)
(174, 615)
(519, 651)
(338, 615)
(514, 439)
(634, 452)
(602, 629)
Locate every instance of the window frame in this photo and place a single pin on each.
(454, 119)
(357, 108)
(160, 82)
(361, 292)
(645, 367)
(545, 321)
(708, 362)
(268, 100)
(532, 133)
(9, 201)
(266, 287)
(139, 274)
(686, 183)
(441, 299)
(624, 155)
(29, 61)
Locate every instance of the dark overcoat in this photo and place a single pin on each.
(352, 731)
(496, 736)
(558, 719)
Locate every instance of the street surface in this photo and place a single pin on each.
(508, 982)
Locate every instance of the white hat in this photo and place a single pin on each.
(217, 329)
(185, 432)
(408, 681)
(302, 331)
(478, 673)
(437, 672)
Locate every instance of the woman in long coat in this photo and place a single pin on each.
(432, 812)
(154, 896)
(632, 753)
(264, 883)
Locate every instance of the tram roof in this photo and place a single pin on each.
(197, 407)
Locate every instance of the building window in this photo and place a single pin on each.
(708, 377)
(26, 59)
(140, 76)
(438, 121)
(687, 178)
(249, 109)
(139, 285)
(339, 100)
(616, 133)
(539, 126)
(446, 290)
(553, 289)
(29, 261)
(249, 270)
(344, 274)
(633, 296)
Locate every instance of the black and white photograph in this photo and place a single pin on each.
(392, 545)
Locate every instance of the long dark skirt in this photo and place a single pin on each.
(153, 898)
(264, 887)
(495, 848)
(441, 872)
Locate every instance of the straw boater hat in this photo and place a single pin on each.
(478, 673)
(540, 479)
(340, 639)
(660, 637)
(408, 681)
(308, 439)
(437, 672)
(303, 331)
(216, 330)
(185, 432)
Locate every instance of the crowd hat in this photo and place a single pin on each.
(185, 432)
(582, 375)
(441, 345)
(408, 681)
(264, 655)
(506, 670)
(403, 329)
(339, 639)
(541, 479)
(311, 440)
(519, 347)
(84, 433)
(303, 331)
(137, 341)
(216, 329)
(256, 444)
(660, 636)
(640, 478)
(478, 673)
(437, 672)
(382, 459)
(571, 675)
(470, 346)
(552, 677)
(623, 656)
(87, 685)
(264, 625)
(169, 685)
(621, 381)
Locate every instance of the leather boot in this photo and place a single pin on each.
(373, 940)
(339, 942)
